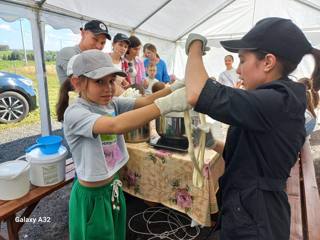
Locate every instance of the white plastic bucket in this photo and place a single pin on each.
(47, 169)
(14, 179)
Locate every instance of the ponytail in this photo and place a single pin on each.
(316, 72)
(310, 105)
(312, 95)
(63, 100)
(315, 97)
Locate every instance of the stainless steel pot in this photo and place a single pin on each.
(141, 134)
(172, 126)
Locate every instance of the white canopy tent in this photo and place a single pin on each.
(166, 23)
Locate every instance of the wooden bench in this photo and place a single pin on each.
(8, 209)
(304, 198)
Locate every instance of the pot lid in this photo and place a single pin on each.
(12, 168)
(181, 114)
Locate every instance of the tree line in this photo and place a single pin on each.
(19, 55)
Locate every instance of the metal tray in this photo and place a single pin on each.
(180, 145)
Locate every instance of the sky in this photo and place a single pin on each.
(10, 34)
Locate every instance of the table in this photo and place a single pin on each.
(165, 177)
(8, 209)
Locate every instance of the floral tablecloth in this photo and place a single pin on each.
(166, 177)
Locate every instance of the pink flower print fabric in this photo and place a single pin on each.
(184, 199)
(162, 153)
(112, 154)
(131, 178)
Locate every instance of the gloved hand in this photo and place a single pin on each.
(208, 129)
(177, 84)
(174, 102)
(194, 37)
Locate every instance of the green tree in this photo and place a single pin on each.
(15, 55)
(30, 56)
(50, 56)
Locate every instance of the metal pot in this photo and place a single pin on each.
(141, 134)
(172, 126)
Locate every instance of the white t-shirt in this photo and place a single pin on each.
(151, 81)
(96, 157)
(119, 79)
(229, 78)
(132, 71)
(118, 65)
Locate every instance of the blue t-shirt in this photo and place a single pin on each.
(162, 74)
(310, 122)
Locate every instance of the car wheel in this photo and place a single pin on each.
(13, 107)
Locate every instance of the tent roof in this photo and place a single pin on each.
(166, 23)
(166, 19)
(172, 20)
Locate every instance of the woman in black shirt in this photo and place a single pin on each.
(266, 125)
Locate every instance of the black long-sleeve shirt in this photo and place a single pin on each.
(266, 127)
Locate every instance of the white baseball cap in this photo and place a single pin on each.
(95, 64)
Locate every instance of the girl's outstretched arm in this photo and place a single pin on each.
(174, 102)
(126, 121)
(144, 101)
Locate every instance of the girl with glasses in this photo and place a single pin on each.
(136, 69)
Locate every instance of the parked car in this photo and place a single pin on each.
(17, 97)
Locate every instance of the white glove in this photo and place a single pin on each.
(176, 85)
(131, 92)
(174, 102)
(208, 129)
(194, 37)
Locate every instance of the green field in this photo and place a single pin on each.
(20, 68)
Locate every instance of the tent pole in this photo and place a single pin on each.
(309, 4)
(216, 11)
(24, 47)
(150, 16)
(41, 3)
(37, 40)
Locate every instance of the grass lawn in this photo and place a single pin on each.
(20, 68)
